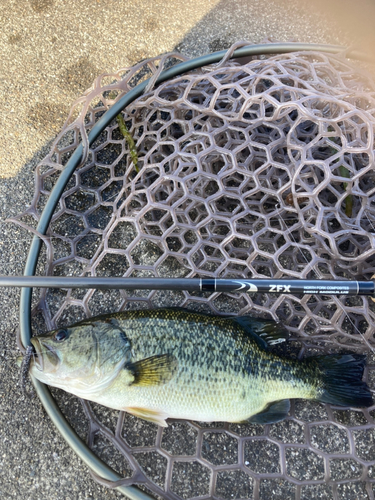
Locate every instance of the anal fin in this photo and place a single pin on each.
(157, 417)
(274, 412)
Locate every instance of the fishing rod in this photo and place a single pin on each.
(286, 286)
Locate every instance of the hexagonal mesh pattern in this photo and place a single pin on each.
(256, 169)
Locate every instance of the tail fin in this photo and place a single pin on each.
(342, 380)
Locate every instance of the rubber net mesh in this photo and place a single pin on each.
(256, 168)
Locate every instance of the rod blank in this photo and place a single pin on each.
(286, 286)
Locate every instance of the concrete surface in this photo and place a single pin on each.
(50, 52)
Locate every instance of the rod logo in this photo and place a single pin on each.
(246, 287)
(280, 288)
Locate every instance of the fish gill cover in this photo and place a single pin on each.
(256, 169)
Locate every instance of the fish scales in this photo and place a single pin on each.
(175, 363)
(207, 368)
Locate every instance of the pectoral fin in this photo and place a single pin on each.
(274, 412)
(157, 417)
(156, 370)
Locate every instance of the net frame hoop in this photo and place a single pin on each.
(81, 449)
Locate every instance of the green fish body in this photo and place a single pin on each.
(169, 363)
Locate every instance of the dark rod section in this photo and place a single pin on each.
(325, 287)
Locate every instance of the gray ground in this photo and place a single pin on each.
(50, 52)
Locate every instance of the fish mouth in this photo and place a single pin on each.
(44, 355)
(37, 358)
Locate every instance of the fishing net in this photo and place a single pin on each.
(251, 168)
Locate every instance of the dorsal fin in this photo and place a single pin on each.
(265, 332)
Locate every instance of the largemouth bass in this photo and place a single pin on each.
(168, 363)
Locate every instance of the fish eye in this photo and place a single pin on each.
(61, 335)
